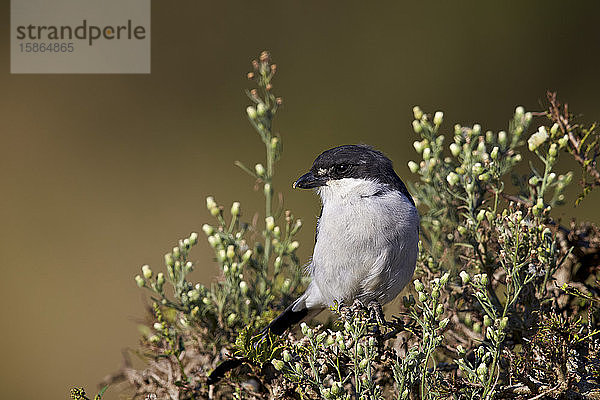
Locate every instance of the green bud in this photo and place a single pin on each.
(457, 131)
(244, 287)
(562, 142)
(230, 252)
(480, 215)
(418, 146)
(477, 169)
(481, 147)
(554, 129)
(347, 326)
(460, 350)
(215, 211)
(417, 127)
(419, 287)
(476, 131)
(444, 323)
(261, 109)
(444, 279)
(235, 208)
(169, 259)
(260, 170)
(484, 177)
(213, 241)
(336, 389)
(487, 321)
(553, 151)
(502, 138)
(438, 118)
(464, 276)
(482, 370)
(146, 271)
(160, 279)
(413, 166)
(267, 189)
(231, 318)
(247, 255)
(417, 112)
(363, 364)
(360, 350)
(439, 310)
(293, 246)
(477, 327)
(305, 328)
(494, 153)
(208, 230)
(270, 223)
(426, 153)
(422, 297)
(210, 203)
(519, 112)
(287, 357)
(484, 279)
(454, 149)
(452, 178)
(461, 229)
(251, 111)
(329, 341)
(140, 281)
(503, 323)
(278, 364)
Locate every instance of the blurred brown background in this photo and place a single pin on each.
(103, 173)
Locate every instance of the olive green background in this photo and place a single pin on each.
(103, 173)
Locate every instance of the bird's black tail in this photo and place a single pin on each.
(286, 319)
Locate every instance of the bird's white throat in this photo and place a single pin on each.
(348, 188)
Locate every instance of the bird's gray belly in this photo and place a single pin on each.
(370, 258)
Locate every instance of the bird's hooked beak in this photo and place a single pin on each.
(309, 181)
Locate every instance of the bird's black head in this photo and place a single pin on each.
(351, 161)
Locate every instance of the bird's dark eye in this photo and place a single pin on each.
(341, 168)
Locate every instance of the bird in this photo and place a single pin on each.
(366, 240)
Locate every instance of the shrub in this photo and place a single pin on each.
(504, 302)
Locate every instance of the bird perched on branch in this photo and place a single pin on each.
(366, 238)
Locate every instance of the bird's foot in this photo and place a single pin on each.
(376, 313)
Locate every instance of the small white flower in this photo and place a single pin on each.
(146, 271)
(452, 178)
(413, 166)
(537, 138)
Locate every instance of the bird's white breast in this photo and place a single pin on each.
(367, 243)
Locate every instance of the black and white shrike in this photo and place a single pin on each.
(366, 238)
